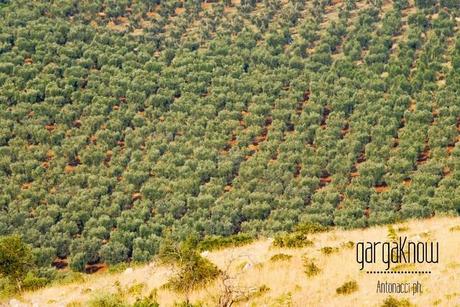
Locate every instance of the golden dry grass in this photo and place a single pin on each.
(288, 285)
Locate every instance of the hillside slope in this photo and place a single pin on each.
(122, 121)
(284, 282)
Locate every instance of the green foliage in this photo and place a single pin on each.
(216, 242)
(114, 253)
(15, 258)
(292, 240)
(394, 302)
(311, 269)
(392, 234)
(107, 300)
(147, 301)
(298, 238)
(193, 271)
(121, 120)
(33, 282)
(348, 244)
(7, 287)
(119, 267)
(327, 250)
(280, 257)
(309, 228)
(63, 278)
(347, 288)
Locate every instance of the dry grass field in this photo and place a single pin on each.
(261, 281)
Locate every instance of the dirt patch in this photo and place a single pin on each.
(424, 155)
(69, 169)
(407, 182)
(382, 188)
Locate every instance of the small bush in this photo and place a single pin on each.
(33, 282)
(292, 240)
(118, 268)
(63, 278)
(148, 301)
(107, 300)
(193, 270)
(393, 302)
(311, 269)
(392, 234)
(145, 302)
(308, 228)
(257, 292)
(347, 288)
(348, 244)
(298, 238)
(327, 250)
(281, 257)
(136, 289)
(403, 228)
(217, 242)
(454, 228)
(7, 287)
(263, 289)
(186, 304)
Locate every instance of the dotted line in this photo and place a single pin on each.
(398, 272)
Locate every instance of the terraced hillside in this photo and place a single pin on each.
(122, 121)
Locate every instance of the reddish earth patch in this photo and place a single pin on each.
(60, 263)
(407, 182)
(354, 174)
(345, 130)
(97, 267)
(69, 169)
(136, 196)
(253, 147)
(26, 186)
(446, 171)
(77, 123)
(108, 157)
(75, 162)
(268, 121)
(306, 96)
(383, 187)
(367, 212)
(297, 170)
(50, 127)
(49, 155)
(423, 157)
(361, 158)
(179, 10)
(325, 115)
(323, 181)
